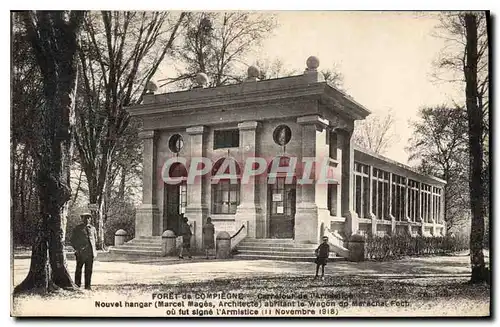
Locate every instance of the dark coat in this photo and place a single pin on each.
(322, 254)
(323, 250)
(83, 240)
(208, 236)
(185, 230)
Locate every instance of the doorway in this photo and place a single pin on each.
(175, 199)
(281, 204)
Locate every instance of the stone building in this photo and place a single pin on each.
(278, 120)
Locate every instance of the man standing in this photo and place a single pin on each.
(208, 236)
(83, 240)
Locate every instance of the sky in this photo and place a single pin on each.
(385, 57)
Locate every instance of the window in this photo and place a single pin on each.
(332, 199)
(226, 192)
(226, 197)
(398, 197)
(436, 214)
(413, 200)
(229, 138)
(362, 190)
(380, 195)
(332, 144)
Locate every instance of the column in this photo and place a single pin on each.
(147, 221)
(432, 213)
(373, 215)
(440, 219)
(420, 207)
(307, 217)
(391, 213)
(249, 208)
(407, 200)
(197, 208)
(347, 183)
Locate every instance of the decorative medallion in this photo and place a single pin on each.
(176, 143)
(282, 135)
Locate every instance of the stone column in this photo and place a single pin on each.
(407, 198)
(373, 215)
(420, 207)
(248, 209)
(431, 213)
(391, 213)
(147, 221)
(307, 216)
(197, 207)
(344, 131)
(440, 218)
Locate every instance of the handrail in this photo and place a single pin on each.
(242, 226)
(337, 244)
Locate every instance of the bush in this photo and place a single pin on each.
(397, 246)
(121, 216)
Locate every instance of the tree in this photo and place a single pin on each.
(476, 132)
(119, 55)
(439, 143)
(276, 69)
(465, 62)
(375, 133)
(54, 39)
(216, 44)
(27, 94)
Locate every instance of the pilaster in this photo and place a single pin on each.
(147, 222)
(197, 208)
(249, 209)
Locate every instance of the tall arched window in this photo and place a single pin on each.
(225, 186)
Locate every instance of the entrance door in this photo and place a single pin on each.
(281, 201)
(174, 206)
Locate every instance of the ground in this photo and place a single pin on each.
(412, 286)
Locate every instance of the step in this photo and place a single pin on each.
(275, 248)
(277, 244)
(280, 257)
(270, 240)
(139, 247)
(120, 250)
(279, 253)
(144, 242)
(284, 253)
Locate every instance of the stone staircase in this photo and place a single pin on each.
(278, 249)
(143, 245)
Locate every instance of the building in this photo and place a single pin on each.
(283, 121)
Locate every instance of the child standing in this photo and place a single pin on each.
(322, 254)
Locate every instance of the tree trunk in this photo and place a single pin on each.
(479, 272)
(48, 33)
(97, 215)
(121, 190)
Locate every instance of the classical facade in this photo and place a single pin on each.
(286, 122)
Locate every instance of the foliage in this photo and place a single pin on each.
(398, 246)
(217, 44)
(376, 133)
(121, 215)
(439, 146)
(120, 53)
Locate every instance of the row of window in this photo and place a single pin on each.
(403, 198)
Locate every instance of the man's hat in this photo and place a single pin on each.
(86, 214)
